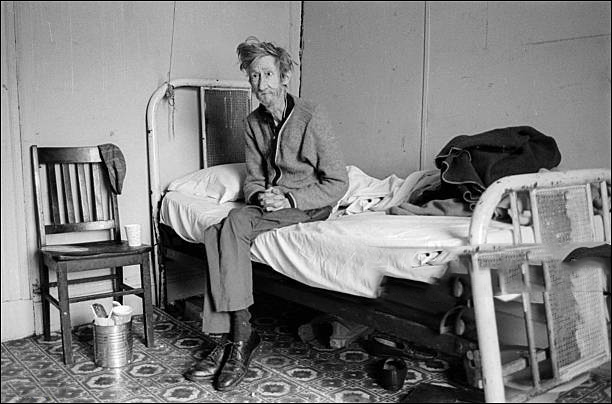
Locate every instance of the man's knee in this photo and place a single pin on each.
(242, 216)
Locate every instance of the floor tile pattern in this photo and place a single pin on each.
(285, 369)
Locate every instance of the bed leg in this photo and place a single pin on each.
(161, 292)
(486, 327)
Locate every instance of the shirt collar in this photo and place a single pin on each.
(268, 116)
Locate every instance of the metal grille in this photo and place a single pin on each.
(511, 281)
(577, 310)
(224, 117)
(504, 259)
(564, 215)
(563, 308)
(508, 264)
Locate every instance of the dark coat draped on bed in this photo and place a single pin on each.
(470, 163)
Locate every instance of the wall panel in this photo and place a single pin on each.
(543, 64)
(16, 294)
(363, 61)
(85, 72)
(482, 65)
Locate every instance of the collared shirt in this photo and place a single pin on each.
(270, 119)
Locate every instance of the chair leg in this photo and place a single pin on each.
(147, 300)
(118, 283)
(46, 306)
(64, 308)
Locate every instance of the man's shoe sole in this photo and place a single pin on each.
(193, 378)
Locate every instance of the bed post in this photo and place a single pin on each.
(486, 329)
(155, 188)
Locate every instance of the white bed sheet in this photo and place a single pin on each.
(349, 254)
(190, 215)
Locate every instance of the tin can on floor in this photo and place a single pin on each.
(113, 345)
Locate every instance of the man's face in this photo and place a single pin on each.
(266, 81)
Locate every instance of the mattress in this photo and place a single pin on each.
(349, 254)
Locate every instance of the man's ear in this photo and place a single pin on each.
(285, 78)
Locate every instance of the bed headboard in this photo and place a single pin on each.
(223, 105)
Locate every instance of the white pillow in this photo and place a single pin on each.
(222, 183)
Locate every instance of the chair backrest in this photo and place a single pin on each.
(72, 192)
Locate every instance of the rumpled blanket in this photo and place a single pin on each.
(470, 163)
(113, 160)
(367, 193)
(437, 207)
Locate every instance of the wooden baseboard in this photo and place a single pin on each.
(17, 319)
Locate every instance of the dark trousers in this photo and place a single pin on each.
(228, 243)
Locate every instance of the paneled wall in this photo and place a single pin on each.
(364, 62)
(17, 304)
(399, 79)
(85, 72)
(543, 64)
(402, 79)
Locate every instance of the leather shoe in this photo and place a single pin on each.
(236, 365)
(208, 367)
(393, 374)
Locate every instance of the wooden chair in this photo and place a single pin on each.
(73, 194)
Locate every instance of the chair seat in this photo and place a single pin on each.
(96, 249)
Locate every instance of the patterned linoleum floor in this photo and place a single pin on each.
(285, 369)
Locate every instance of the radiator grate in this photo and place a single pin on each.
(226, 111)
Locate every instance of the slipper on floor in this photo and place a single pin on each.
(331, 331)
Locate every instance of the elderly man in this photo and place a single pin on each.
(295, 174)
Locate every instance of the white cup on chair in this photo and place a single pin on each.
(132, 232)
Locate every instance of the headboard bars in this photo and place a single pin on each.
(223, 105)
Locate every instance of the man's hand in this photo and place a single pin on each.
(273, 199)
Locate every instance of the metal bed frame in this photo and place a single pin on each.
(562, 219)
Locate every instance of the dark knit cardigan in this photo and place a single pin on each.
(312, 169)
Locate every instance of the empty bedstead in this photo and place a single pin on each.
(408, 275)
